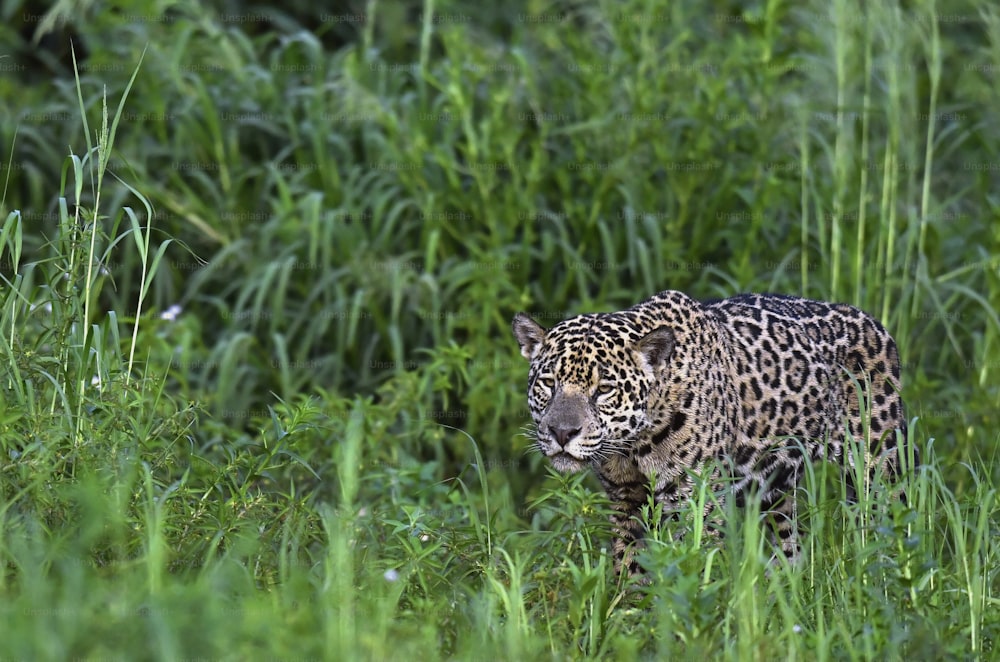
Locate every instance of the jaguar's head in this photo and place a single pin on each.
(589, 384)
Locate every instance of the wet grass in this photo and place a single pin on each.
(261, 398)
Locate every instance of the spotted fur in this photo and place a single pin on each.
(671, 386)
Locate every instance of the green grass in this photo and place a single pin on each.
(261, 399)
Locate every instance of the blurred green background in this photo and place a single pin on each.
(356, 199)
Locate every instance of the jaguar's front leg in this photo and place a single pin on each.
(628, 529)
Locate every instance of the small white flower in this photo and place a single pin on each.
(391, 575)
(796, 628)
(96, 381)
(171, 313)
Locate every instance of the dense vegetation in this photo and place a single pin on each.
(261, 400)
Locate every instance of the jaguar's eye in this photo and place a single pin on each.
(546, 382)
(604, 389)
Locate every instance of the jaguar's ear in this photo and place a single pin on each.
(656, 347)
(529, 334)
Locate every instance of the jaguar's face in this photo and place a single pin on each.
(589, 383)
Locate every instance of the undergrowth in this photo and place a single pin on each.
(261, 397)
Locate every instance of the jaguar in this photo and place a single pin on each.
(741, 391)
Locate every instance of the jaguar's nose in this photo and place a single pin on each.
(563, 434)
